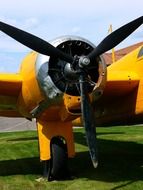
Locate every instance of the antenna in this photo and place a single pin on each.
(113, 50)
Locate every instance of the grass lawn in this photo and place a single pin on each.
(120, 161)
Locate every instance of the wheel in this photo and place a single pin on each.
(59, 160)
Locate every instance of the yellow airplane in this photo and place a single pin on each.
(62, 80)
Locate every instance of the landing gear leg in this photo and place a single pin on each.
(45, 164)
(56, 145)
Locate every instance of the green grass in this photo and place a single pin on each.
(120, 166)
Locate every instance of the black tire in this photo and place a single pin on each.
(59, 160)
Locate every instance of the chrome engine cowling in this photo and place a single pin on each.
(56, 77)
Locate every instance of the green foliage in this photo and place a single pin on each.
(120, 161)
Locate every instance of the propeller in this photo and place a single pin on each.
(88, 119)
(34, 42)
(115, 37)
(46, 48)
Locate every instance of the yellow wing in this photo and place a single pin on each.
(10, 87)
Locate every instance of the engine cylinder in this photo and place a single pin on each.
(56, 76)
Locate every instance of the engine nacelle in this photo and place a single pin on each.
(56, 77)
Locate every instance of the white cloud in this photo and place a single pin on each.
(30, 23)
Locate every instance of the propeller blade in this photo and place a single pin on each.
(116, 37)
(88, 121)
(34, 42)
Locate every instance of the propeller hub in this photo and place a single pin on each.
(84, 61)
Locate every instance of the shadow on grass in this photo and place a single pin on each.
(20, 166)
(118, 161)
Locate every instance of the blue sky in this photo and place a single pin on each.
(49, 19)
